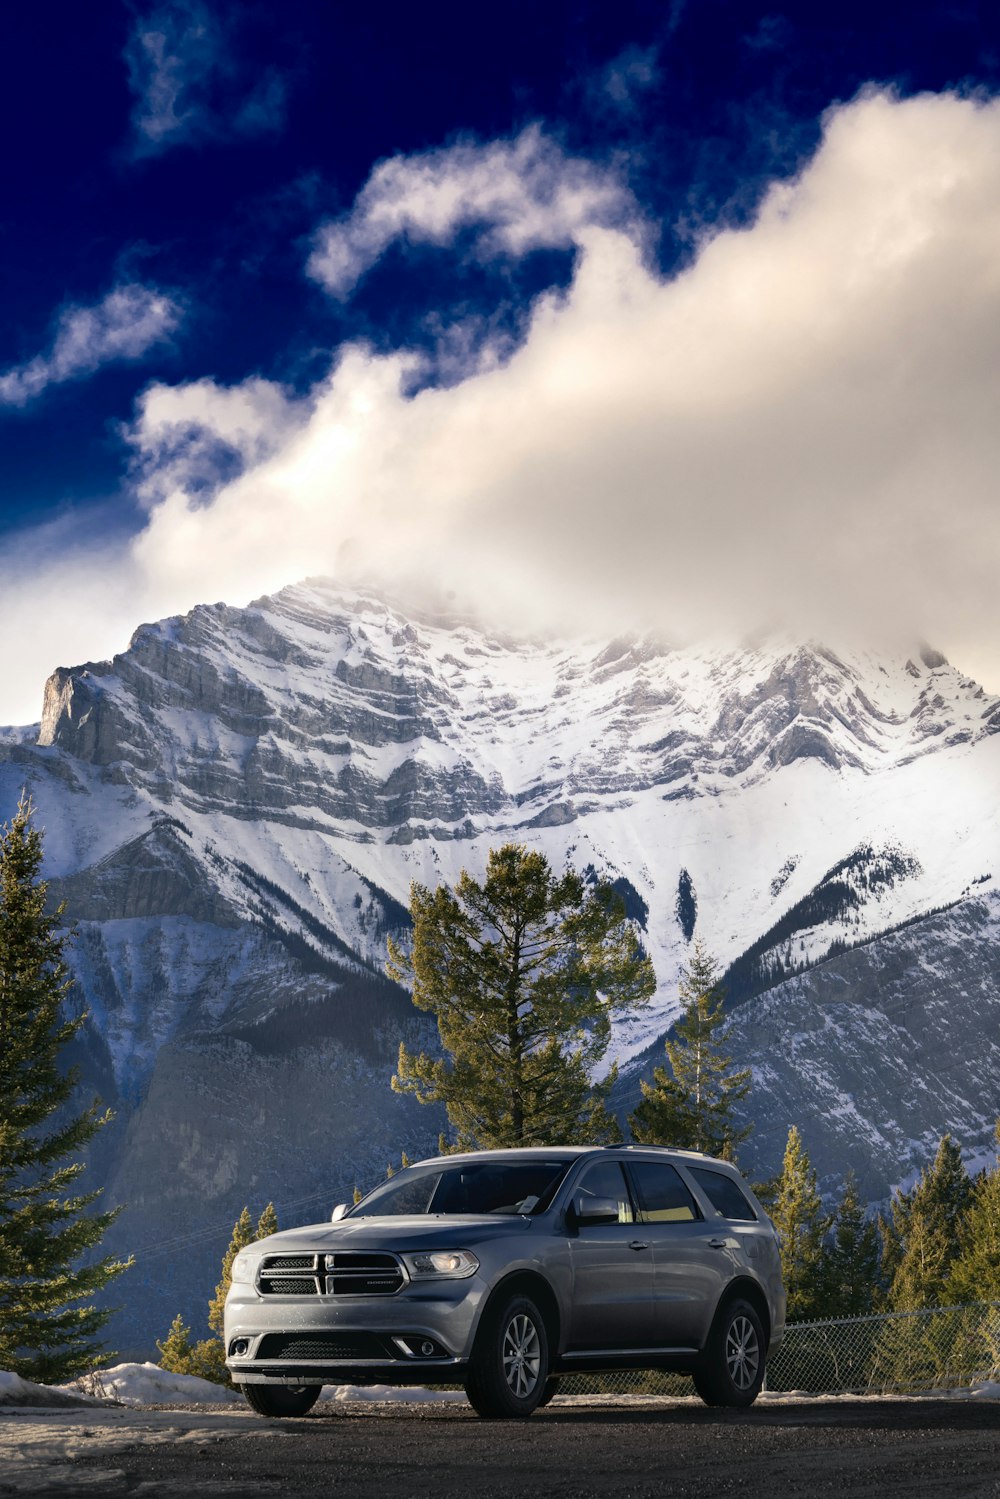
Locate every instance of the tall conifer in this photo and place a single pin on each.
(852, 1259)
(929, 1222)
(48, 1320)
(523, 972)
(797, 1214)
(975, 1274)
(691, 1107)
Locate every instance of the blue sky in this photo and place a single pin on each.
(209, 210)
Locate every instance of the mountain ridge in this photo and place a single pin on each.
(235, 806)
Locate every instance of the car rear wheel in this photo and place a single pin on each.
(510, 1362)
(281, 1400)
(731, 1370)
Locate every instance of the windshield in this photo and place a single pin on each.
(467, 1187)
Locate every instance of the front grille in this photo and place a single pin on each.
(281, 1275)
(362, 1274)
(287, 1285)
(337, 1346)
(346, 1273)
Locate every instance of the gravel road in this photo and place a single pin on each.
(909, 1449)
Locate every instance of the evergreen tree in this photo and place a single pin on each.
(691, 1107)
(975, 1273)
(48, 1320)
(797, 1214)
(852, 1260)
(175, 1350)
(267, 1223)
(892, 1253)
(207, 1358)
(243, 1234)
(929, 1223)
(524, 972)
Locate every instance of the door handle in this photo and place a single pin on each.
(639, 1244)
(719, 1243)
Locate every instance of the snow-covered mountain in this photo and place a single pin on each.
(235, 806)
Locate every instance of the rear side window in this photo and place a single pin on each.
(663, 1197)
(606, 1179)
(724, 1195)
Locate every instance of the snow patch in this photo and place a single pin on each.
(148, 1384)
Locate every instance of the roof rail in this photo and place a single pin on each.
(673, 1149)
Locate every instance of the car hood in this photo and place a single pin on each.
(445, 1230)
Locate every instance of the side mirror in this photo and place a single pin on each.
(340, 1211)
(587, 1209)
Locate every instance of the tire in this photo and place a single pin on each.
(731, 1369)
(281, 1400)
(550, 1391)
(508, 1372)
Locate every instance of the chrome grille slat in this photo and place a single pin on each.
(342, 1273)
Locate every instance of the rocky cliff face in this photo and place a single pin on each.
(235, 806)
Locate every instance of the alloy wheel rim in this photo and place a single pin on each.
(742, 1352)
(522, 1356)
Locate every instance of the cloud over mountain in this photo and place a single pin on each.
(800, 427)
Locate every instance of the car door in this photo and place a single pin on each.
(612, 1301)
(691, 1269)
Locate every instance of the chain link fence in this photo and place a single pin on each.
(945, 1348)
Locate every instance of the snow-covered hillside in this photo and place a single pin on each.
(235, 807)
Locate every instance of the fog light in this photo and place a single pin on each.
(427, 1348)
(239, 1347)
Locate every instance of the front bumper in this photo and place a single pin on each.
(354, 1339)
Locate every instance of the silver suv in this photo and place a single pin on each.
(503, 1269)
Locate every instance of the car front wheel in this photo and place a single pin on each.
(281, 1400)
(731, 1370)
(510, 1363)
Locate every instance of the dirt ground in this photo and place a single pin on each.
(906, 1448)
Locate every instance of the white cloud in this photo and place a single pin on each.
(188, 84)
(124, 325)
(518, 195)
(800, 429)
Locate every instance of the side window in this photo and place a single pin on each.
(606, 1179)
(724, 1195)
(663, 1197)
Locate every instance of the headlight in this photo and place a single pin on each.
(243, 1269)
(448, 1264)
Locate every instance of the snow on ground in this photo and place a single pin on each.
(39, 1448)
(416, 1396)
(17, 1391)
(148, 1384)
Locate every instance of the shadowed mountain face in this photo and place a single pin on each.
(235, 807)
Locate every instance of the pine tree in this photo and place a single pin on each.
(797, 1214)
(524, 972)
(175, 1350)
(243, 1234)
(267, 1223)
(207, 1358)
(48, 1320)
(929, 1222)
(852, 1262)
(691, 1107)
(975, 1273)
